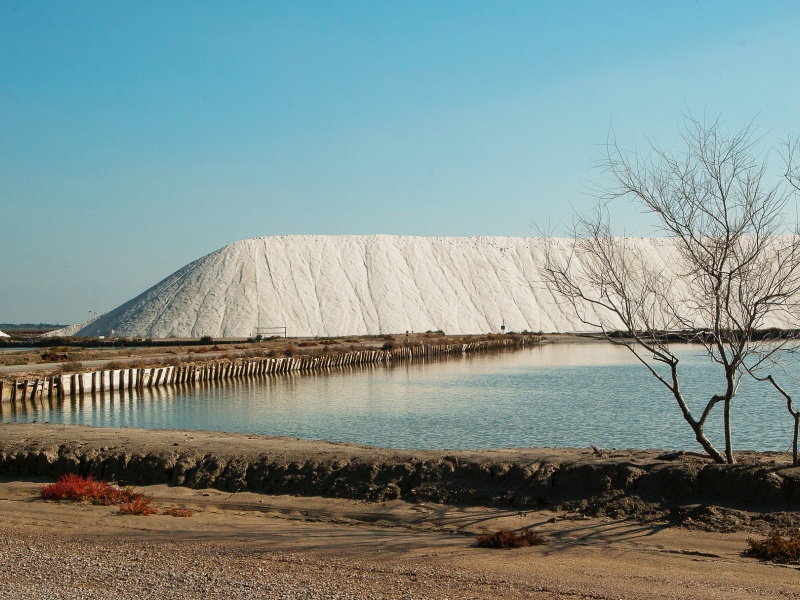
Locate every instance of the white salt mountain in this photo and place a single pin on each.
(69, 330)
(357, 285)
(4, 335)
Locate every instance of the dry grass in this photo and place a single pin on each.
(179, 511)
(508, 539)
(776, 547)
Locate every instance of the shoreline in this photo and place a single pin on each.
(55, 382)
(760, 492)
(286, 518)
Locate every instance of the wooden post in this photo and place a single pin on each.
(1, 397)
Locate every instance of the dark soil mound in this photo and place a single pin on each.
(761, 491)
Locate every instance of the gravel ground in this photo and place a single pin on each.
(33, 566)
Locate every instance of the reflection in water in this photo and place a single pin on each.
(553, 395)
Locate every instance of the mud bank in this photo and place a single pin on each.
(38, 390)
(612, 483)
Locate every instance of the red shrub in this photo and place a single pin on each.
(141, 505)
(509, 539)
(86, 489)
(776, 548)
(177, 512)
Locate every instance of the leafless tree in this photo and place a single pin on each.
(787, 397)
(728, 240)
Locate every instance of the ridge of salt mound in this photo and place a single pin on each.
(318, 285)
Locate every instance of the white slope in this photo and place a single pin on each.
(351, 285)
(69, 330)
(4, 335)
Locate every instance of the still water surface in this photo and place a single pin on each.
(553, 395)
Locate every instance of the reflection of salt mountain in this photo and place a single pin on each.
(348, 285)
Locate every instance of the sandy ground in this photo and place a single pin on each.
(252, 545)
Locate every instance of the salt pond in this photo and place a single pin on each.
(553, 395)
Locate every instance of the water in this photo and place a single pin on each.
(554, 395)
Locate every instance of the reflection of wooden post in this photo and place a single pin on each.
(34, 389)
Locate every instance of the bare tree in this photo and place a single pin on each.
(794, 412)
(738, 263)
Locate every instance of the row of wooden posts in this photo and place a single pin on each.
(79, 384)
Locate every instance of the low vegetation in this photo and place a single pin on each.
(76, 488)
(508, 539)
(776, 547)
(87, 489)
(177, 511)
(142, 505)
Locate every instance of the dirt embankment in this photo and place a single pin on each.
(761, 491)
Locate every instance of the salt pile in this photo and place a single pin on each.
(4, 335)
(69, 330)
(356, 285)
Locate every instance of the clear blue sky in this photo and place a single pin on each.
(136, 137)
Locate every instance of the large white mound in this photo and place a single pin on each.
(4, 335)
(350, 285)
(69, 330)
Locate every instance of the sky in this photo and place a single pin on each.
(136, 137)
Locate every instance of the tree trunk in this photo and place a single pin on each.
(728, 443)
(701, 438)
